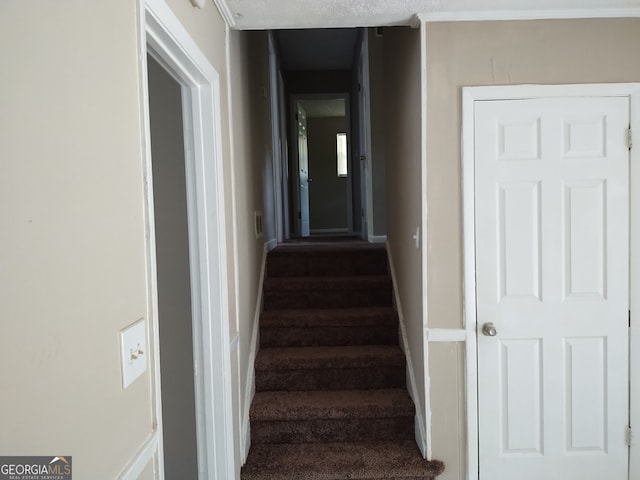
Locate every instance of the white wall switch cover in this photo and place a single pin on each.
(133, 352)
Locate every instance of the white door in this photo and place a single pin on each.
(303, 170)
(552, 276)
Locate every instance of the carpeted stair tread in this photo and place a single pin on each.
(340, 404)
(317, 261)
(332, 416)
(329, 326)
(357, 356)
(293, 284)
(339, 461)
(329, 317)
(282, 293)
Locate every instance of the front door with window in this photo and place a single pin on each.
(552, 287)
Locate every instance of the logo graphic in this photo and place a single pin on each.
(36, 468)
(59, 459)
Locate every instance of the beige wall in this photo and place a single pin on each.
(72, 237)
(173, 273)
(72, 242)
(492, 53)
(251, 154)
(448, 427)
(403, 149)
(327, 191)
(208, 30)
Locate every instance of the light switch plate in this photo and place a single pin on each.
(133, 352)
(416, 238)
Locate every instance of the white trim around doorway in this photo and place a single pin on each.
(294, 99)
(164, 37)
(470, 95)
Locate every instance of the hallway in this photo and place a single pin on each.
(78, 251)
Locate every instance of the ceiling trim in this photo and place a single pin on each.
(469, 16)
(225, 12)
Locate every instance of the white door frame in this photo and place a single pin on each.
(294, 99)
(279, 164)
(470, 95)
(164, 37)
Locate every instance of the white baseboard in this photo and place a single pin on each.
(246, 441)
(419, 419)
(271, 244)
(250, 385)
(141, 459)
(419, 432)
(377, 239)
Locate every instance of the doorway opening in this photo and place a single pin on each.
(173, 274)
(323, 163)
(193, 202)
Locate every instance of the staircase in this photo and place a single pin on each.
(331, 401)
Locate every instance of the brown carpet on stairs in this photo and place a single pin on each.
(331, 401)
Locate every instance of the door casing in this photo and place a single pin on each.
(293, 102)
(278, 144)
(470, 96)
(164, 37)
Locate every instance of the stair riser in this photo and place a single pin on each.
(341, 430)
(331, 379)
(397, 460)
(320, 265)
(278, 300)
(328, 336)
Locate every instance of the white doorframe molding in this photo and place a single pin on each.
(346, 96)
(426, 444)
(470, 95)
(276, 149)
(164, 37)
(634, 287)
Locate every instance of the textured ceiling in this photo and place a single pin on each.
(276, 14)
